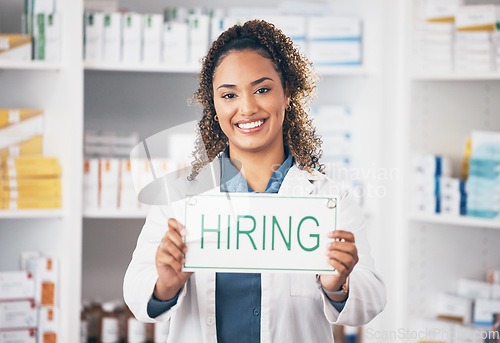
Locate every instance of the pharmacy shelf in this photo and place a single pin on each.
(114, 214)
(148, 68)
(31, 214)
(455, 76)
(456, 221)
(29, 65)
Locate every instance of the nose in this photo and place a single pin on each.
(248, 104)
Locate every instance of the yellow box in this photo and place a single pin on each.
(29, 184)
(31, 166)
(31, 146)
(22, 204)
(35, 193)
(11, 116)
(15, 47)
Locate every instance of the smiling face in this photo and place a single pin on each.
(250, 102)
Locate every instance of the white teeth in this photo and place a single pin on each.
(251, 125)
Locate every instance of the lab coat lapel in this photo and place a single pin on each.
(297, 182)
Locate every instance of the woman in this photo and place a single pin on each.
(254, 87)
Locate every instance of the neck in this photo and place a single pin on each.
(257, 167)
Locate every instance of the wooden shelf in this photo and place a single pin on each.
(458, 221)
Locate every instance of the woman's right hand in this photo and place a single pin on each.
(169, 261)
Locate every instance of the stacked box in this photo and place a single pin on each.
(45, 271)
(433, 48)
(452, 196)
(199, 33)
(94, 36)
(109, 144)
(132, 37)
(112, 37)
(429, 170)
(334, 124)
(474, 49)
(334, 41)
(175, 37)
(15, 47)
(32, 182)
(18, 319)
(483, 183)
(47, 37)
(152, 34)
(21, 132)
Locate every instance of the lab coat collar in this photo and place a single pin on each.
(297, 181)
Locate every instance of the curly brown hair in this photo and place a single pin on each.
(297, 75)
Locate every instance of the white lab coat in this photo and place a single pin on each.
(293, 307)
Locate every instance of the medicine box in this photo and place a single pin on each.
(18, 314)
(94, 36)
(152, 36)
(132, 37)
(473, 289)
(452, 307)
(109, 170)
(22, 130)
(18, 336)
(16, 285)
(45, 271)
(484, 309)
(112, 40)
(48, 324)
(199, 31)
(91, 184)
(175, 43)
(477, 18)
(15, 47)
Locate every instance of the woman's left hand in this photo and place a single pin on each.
(343, 256)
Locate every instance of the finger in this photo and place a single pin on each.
(175, 252)
(341, 234)
(344, 258)
(175, 225)
(169, 260)
(347, 247)
(339, 267)
(175, 238)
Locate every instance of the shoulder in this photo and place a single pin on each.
(322, 184)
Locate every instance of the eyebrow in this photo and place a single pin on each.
(253, 83)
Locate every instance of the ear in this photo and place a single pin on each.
(288, 97)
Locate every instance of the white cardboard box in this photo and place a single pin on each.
(109, 170)
(152, 34)
(175, 43)
(484, 310)
(452, 306)
(18, 336)
(48, 324)
(91, 184)
(16, 285)
(199, 35)
(112, 37)
(46, 274)
(94, 36)
(132, 37)
(18, 314)
(473, 289)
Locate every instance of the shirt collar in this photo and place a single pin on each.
(233, 181)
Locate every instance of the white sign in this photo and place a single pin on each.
(258, 232)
